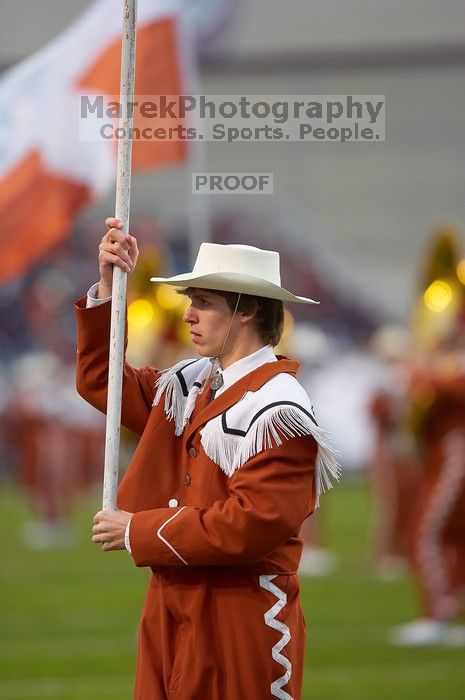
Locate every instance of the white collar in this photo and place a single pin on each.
(246, 364)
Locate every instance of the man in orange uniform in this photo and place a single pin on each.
(437, 534)
(229, 464)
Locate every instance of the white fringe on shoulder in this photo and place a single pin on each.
(178, 407)
(229, 439)
(272, 428)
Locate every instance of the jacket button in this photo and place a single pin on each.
(187, 480)
(192, 452)
(173, 503)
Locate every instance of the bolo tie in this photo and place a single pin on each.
(216, 380)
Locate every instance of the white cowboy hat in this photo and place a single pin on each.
(236, 268)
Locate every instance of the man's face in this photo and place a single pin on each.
(209, 317)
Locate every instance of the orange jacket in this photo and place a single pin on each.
(188, 512)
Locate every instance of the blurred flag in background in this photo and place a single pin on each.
(46, 173)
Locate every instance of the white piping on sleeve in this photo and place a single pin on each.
(160, 536)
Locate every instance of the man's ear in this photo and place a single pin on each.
(246, 316)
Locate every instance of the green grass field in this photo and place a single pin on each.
(68, 619)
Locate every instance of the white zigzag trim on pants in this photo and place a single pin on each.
(271, 621)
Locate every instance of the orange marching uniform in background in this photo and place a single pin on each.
(436, 536)
(437, 542)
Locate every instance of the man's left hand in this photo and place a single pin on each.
(109, 528)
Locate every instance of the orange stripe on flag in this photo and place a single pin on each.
(36, 212)
(37, 205)
(157, 73)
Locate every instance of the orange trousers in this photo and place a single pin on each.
(216, 634)
(437, 537)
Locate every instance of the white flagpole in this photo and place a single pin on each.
(118, 299)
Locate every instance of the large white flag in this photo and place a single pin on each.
(47, 173)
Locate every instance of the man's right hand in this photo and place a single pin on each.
(115, 249)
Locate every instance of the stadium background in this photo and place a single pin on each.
(356, 219)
